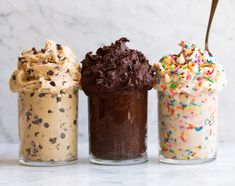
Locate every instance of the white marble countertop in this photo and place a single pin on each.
(216, 173)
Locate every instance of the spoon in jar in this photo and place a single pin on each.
(212, 12)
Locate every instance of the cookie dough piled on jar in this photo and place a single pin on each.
(187, 85)
(191, 71)
(47, 81)
(48, 70)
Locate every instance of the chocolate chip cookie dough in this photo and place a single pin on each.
(47, 82)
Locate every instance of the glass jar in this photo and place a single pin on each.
(187, 127)
(48, 127)
(118, 127)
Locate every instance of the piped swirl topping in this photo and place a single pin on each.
(114, 68)
(191, 71)
(50, 69)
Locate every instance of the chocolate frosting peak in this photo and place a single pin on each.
(114, 68)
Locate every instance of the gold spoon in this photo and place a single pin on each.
(213, 8)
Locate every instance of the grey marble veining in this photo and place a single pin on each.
(154, 27)
(216, 173)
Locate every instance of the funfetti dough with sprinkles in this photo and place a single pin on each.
(191, 71)
(187, 85)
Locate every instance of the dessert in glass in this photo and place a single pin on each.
(47, 83)
(116, 80)
(187, 85)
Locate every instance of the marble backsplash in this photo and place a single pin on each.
(154, 27)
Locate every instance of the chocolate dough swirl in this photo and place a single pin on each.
(115, 68)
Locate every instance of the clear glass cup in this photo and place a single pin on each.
(118, 127)
(48, 128)
(187, 127)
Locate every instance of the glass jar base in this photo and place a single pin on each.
(118, 162)
(162, 159)
(47, 164)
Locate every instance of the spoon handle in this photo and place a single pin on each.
(213, 8)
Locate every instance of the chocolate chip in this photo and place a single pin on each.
(32, 94)
(41, 95)
(36, 134)
(59, 56)
(62, 135)
(34, 50)
(14, 77)
(61, 110)
(52, 83)
(75, 122)
(50, 73)
(33, 143)
(58, 46)
(58, 99)
(67, 71)
(28, 151)
(62, 92)
(68, 147)
(29, 126)
(70, 96)
(43, 50)
(46, 125)
(28, 71)
(37, 121)
(27, 114)
(52, 140)
(20, 58)
(44, 62)
(49, 111)
(40, 146)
